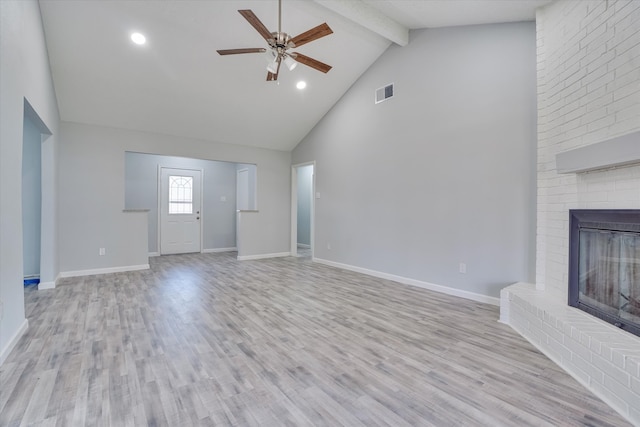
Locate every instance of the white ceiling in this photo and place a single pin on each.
(177, 84)
(415, 14)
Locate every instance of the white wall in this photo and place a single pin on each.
(219, 180)
(92, 191)
(443, 172)
(304, 187)
(588, 91)
(24, 74)
(253, 183)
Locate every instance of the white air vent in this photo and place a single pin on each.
(384, 93)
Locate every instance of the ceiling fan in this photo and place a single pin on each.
(280, 43)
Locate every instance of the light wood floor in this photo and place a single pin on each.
(207, 340)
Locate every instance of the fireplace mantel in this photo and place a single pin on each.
(623, 150)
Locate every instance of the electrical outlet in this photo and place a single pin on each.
(329, 246)
(103, 251)
(463, 268)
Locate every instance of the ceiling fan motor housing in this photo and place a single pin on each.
(281, 41)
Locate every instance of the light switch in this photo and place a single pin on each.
(317, 195)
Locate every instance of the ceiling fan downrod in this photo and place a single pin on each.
(279, 16)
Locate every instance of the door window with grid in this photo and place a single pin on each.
(180, 194)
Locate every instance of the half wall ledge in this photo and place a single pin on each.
(603, 358)
(621, 151)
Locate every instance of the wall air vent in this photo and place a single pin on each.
(384, 93)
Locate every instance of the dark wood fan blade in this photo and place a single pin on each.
(256, 23)
(237, 51)
(311, 35)
(313, 63)
(273, 77)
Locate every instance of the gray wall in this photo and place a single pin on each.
(92, 191)
(219, 180)
(24, 74)
(443, 172)
(31, 196)
(304, 187)
(253, 180)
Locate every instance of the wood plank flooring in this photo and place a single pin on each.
(203, 340)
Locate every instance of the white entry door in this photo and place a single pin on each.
(180, 211)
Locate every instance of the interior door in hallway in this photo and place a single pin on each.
(180, 207)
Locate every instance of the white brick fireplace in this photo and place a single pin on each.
(588, 95)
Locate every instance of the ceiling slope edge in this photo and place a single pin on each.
(369, 18)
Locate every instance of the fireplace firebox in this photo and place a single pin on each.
(604, 265)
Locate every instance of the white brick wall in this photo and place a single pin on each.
(588, 61)
(588, 91)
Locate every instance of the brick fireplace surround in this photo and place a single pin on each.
(588, 96)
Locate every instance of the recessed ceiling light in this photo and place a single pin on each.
(301, 84)
(138, 38)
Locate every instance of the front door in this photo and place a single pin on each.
(180, 211)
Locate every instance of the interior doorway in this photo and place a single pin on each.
(38, 182)
(38, 188)
(31, 199)
(302, 209)
(180, 211)
(242, 189)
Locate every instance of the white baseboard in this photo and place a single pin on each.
(107, 270)
(204, 251)
(13, 341)
(215, 250)
(413, 282)
(303, 246)
(262, 256)
(46, 285)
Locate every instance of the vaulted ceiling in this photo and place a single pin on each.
(177, 84)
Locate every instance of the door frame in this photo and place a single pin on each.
(48, 238)
(202, 217)
(294, 208)
(238, 171)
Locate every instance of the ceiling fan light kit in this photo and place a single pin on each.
(273, 66)
(290, 62)
(279, 44)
